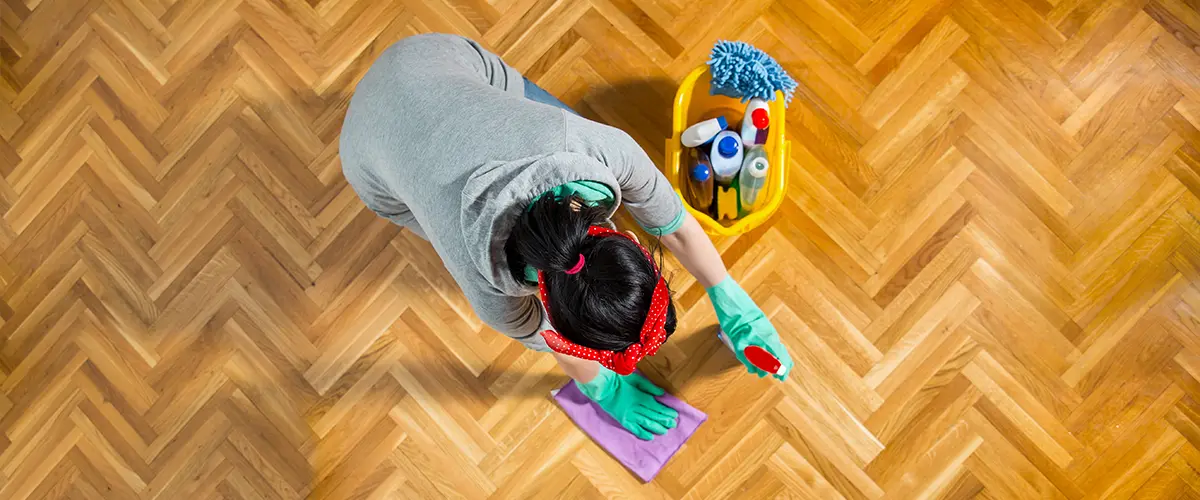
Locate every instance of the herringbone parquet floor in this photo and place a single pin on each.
(987, 268)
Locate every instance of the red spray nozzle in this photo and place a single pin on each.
(757, 356)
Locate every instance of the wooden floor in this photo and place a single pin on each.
(987, 268)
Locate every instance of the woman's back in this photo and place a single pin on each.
(440, 138)
(433, 110)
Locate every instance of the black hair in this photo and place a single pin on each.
(604, 305)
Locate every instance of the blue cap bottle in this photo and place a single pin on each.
(728, 147)
(726, 157)
(699, 186)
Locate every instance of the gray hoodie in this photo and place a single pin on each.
(440, 139)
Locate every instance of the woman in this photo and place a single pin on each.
(515, 193)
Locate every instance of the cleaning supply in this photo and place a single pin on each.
(726, 156)
(745, 325)
(700, 181)
(753, 176)
(703, 132)
(757, 356)
(755, 122)
(644, 458)
(741, 71)
(726, 203)
(629, 399)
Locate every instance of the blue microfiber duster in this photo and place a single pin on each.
(741, 71)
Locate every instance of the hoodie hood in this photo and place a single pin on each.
(498, 192)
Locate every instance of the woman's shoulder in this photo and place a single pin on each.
(430, 41)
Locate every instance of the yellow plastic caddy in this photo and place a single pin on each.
(693, 103)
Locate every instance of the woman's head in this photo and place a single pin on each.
(604, 304)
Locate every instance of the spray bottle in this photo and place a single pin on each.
(757, 356)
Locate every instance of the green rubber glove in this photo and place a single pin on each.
(746, 325)
(629, 399)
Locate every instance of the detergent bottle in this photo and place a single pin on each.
(726, 156)
(755, 122)
(700, 181)
(753, 176)
(703, 132)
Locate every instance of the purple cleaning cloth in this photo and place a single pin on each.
(644, 458)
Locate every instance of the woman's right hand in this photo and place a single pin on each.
(746, 325)
(629, 399)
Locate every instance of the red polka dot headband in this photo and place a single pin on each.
(652, 337)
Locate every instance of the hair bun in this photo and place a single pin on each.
(578, 266)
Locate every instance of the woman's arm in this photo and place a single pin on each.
(696, 252)
(741, 319)
(582, 370)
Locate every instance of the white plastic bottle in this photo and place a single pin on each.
(703, 132)
(726, 156)
(755, 122)
(753, 176)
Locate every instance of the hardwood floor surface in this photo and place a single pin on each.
(987, 267)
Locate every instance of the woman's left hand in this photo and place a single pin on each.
(745, 324)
